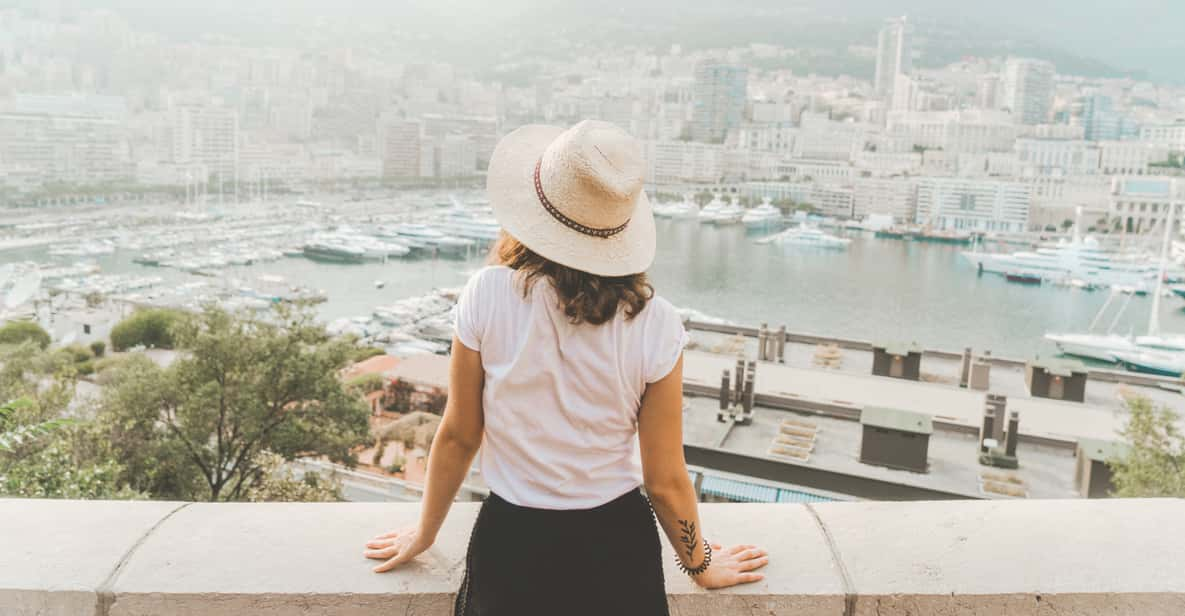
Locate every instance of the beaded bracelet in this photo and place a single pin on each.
(702, 566)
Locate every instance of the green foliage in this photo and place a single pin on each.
(99, 348)
(1155, 462)
(151, 328)
(277, 483)
(365, 353)
(55, 471)
(366, 384)
(78, 353)
(244, 384)
(703, 197)
(16, 332)
(397, 465)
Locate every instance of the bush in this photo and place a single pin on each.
(17, 332)
(152, 328)
(78, 353)
(366, 353)
(366, 384)
(99, 348)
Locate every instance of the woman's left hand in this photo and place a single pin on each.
(396, 547)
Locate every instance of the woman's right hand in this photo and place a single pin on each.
(733, 565)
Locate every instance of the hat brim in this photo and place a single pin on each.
(510, 187)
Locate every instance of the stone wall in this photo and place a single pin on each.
(1081, 558)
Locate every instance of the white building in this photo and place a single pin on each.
(894, 56)
(72, 139)
(1056, 157)
(880, 164)
(1171, 135)
(456, 156)
(206, 134)
(1028, 89)
(675, 162)
(896, 197)
(1139, 205)
(1130, 157)
(971, 131)
(400, 145)
(973, 204)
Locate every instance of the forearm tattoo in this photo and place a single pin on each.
(688, 539)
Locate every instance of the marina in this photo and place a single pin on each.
(359, 258)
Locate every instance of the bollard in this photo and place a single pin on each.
(739, 380)
(762, 334)
(965, 371)
(1013, 434)
(724, 391)
(747, 400)
(781, 346)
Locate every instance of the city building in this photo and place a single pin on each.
(1028, 89)
(677, 162)
(456, 157)
(894, 57)
(1131, 157)
(962, 204)
(207, 134)
(401, 147)
(1101, 122)
(973, 131)
(81, 140)
(718, 100)
(896, 197)
(1171, 135)
(1140, 205)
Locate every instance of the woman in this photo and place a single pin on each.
(567, 371)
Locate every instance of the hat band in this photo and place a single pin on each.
(568, 222)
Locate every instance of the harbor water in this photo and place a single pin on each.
(876, 289)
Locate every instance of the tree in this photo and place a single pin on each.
(16, 332)
(1066, 224)
(151, 328)
(278, 483)
(243, 384)
(1154, 464)
(703, 197)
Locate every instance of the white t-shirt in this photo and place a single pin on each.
(561, 400)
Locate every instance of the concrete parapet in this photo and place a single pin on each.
(276, 559)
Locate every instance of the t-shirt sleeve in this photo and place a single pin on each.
(469, 324)
(666, 338)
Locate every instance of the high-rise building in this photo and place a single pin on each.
(1028, 89)
(893, 56)
(718, 100)
(987, 91)
(456, 156)
(1100, 121)
(400, 148)
(207, 135)
(72, 139)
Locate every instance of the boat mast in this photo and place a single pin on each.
(1154, 318)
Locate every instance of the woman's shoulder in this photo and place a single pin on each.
(489, 279)
(659, 311)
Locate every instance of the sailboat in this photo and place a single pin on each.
(1153, 353)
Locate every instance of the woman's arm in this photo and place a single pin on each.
(660, 434)
(456, 442)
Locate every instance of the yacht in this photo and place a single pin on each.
(333, 249)
(804, 235)
(425, 237)
(708, 213)
(681, 210)
(762, 216)
(470, 223)
(1153, 362)
(1078, 259)
(730, 214)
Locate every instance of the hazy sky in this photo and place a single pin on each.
(1147, 35)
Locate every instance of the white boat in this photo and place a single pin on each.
(762, 216)
(1102, 347)
(681, 210)
(425, 237)
(1150, 353)
(730, 214)
(470, 223)
(804, 235)
(1080, 259)
(1153, 362)
(708, 213)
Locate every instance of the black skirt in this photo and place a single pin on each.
(601, 561)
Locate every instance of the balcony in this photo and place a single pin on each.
(1041, 557)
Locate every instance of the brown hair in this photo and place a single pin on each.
(584, 297)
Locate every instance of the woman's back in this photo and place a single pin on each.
(561, 399)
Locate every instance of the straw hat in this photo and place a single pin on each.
(575, 196)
